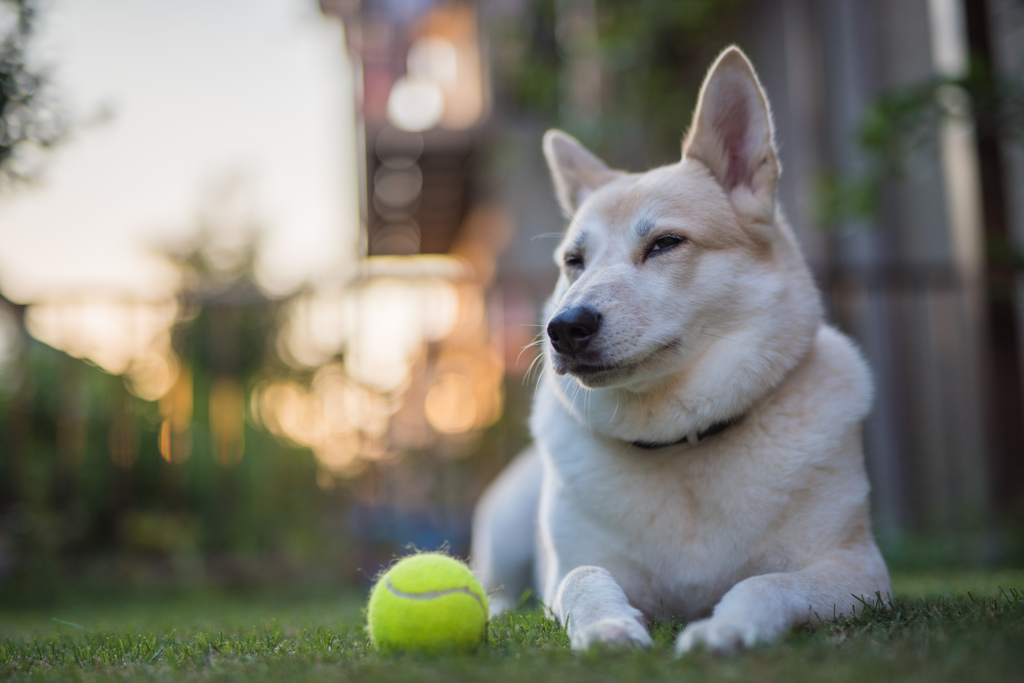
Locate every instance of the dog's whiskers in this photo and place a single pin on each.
(536, 342)
(537, 362)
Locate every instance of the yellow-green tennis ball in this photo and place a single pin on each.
(428, 603)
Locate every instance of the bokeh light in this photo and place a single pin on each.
(415, 104)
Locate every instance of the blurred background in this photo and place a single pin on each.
(270, 269)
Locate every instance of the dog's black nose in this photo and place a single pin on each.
(570, 331)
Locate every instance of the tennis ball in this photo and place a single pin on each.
(428, 603)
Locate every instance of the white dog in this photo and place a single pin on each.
(698, 441)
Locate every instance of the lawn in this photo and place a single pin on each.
(955, 627)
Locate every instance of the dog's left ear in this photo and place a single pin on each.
(732, 135)
(575, 171)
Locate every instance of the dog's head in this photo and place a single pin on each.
(685, 275)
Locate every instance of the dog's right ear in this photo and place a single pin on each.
(732, 134)
(575, 171)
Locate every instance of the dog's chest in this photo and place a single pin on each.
(675, 526)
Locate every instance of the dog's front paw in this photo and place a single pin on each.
(612, 631)
(725, 634)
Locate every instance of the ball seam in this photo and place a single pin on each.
(431, 595)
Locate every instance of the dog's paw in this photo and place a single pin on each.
(724, 635)
(613, 631)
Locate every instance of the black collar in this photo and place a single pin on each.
(693, 438)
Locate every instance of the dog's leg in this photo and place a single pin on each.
(505, 530)
(762, 608)
(594, 609)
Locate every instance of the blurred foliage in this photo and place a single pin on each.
(901, 124)
(652, 55)
(86, 488)
(29, 119)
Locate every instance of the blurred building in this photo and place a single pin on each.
(425, 337)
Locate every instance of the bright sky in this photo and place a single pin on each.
(254, 94)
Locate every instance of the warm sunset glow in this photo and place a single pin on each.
(153, 374)
(227, 421)
(404, 357)
(334, 417)
(451, 405)
(388, 336)
(317, 327)
(175, 447)
(175, 440)
(111, 334)
(379, 323)
(130, 338)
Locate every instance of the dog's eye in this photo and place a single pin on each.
(573, 261)
(664, 243)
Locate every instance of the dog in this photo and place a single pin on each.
(697, 427)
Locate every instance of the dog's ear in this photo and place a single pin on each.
(732, 134)
(575, 171)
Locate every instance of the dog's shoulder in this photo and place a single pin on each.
(844, 373)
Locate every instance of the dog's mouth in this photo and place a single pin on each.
(595, 371)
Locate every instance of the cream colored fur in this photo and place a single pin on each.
(747, 532)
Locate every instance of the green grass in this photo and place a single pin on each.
(955, 627)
